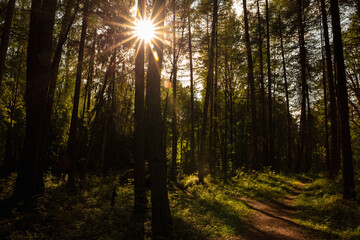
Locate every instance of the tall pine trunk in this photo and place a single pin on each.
(209, 78)
(252, 90)
(263, 135)
(5, 36)
(72, 150)
(30, 177)
(303, 117)
(139, 131)
(192, 138)
(66, 24)
(161, 217)
(286, 96)
(174, 117)
(271, 127)
(335, 153)
(326, 143)
(215, 120)
(348, 172)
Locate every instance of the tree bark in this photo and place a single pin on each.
(139, 131)
(271, 127)
(208, 90)
(327, 155)
(174, 117)
(335, 153)
(263, 140)
(66, 24)
(254, 159)
(215, 119)
(72, 149)
(30, 179)
(348, 172)
(289, 160)
(192, 136)
(303, 117)
(5, 36)
(161, 217)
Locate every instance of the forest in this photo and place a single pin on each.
(180, 119)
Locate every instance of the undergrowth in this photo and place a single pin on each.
(212, 210)
(321, 207)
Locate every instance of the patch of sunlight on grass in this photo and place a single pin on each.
(322, 208)
(265, 185)
(206, 210)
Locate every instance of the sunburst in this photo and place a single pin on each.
(144, 30)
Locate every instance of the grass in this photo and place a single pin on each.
(213, 210)
(321, 207)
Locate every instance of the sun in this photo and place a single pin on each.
(145, 30)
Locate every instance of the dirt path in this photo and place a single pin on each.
(274, 220)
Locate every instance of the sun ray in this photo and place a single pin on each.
(144, 29)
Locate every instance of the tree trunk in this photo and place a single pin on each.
(335, 154)
(161, 217)
(5, 36)
(174, 117)
(254, 159)
(30, 179)
(215, 120)
(303, 125)
(327, 155)
(192, 140)
(309, 134)
(66, 24)
(286, 96)
(271, 127)
(231, 121)
(348, 172)
(263, 136)
(72, 149)
(208, 90)
(226, 116)
(139, 131)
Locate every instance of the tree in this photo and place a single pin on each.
(252, 89)
(348, 172)
(208, 90)
(263, 139)
(304, 86)
(335, 155)
(5, 36)
(161, 217)
(286, 93)
(139, 160)
(30, 178)
(174, 117)
(271, 127)
(192, 140)
(72, 142)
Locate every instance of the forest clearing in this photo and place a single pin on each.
(180, 119)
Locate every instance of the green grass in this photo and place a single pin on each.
(213, 210)
(322, 208)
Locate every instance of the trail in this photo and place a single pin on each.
(274, 220)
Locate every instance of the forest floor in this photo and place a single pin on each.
(248, 205)
(276, 219)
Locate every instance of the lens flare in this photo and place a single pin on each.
(144, 29)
